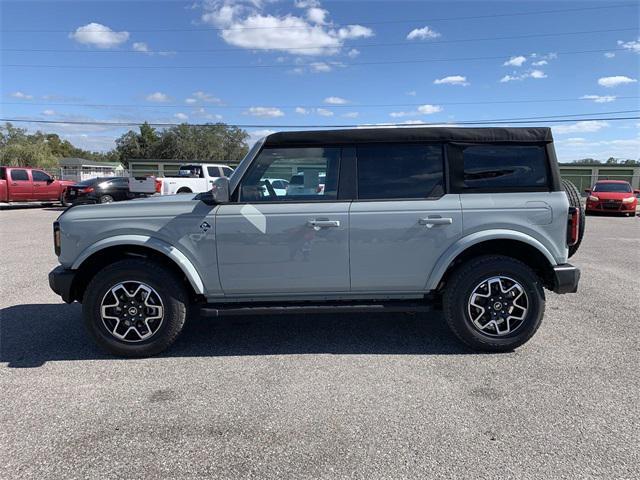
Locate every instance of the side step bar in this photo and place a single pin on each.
(222, 310)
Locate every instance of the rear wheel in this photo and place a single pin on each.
(105, 199)
(574, 200)
(184, 190)
(135, 308)
(494, 303)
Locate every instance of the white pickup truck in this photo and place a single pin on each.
(192, 178)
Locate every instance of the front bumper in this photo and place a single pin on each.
(565, 278)
(61, 282)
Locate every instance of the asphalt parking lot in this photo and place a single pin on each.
(358, 396)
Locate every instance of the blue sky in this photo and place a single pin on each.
(310, 62)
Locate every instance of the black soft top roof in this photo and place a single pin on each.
(413, 134)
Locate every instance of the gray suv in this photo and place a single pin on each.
(475, 222)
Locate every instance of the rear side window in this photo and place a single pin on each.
(395, 171)
(494, 167)
(19, 175)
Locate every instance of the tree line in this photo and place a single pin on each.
(212, 142)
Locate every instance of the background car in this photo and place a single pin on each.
(614, 196)
(297, 185)
(100, 190)
(279, 185)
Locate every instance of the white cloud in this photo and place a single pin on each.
(157, 97)
(141, 47)
(515, 61)
(243, 24)
(265, 112)
(353, 53)
(429, 109)
(321, 67)
(633, 45)
(615, 81)
(581, 127)
(22, 96)
(538, 74)
(324, 112)
(255, 135)
(317, 15)
(301, 111)
(49, 113)
(600, 98)
(336, 101)
(351, 115)
(422, 33)
(540, 63)
(354, 31)
(421, 110)
(99, 35)
(204, 97)
(307, 3)
(181, 116)
(609, 54)
(411, 93)
(452, 80)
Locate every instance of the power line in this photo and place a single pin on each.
(321, 105)
(382, 22)
(532, 120)
(289, 65)
(328, 47)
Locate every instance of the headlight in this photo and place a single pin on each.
(593, 198)
(628, 200)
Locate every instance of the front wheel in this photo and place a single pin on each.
(135, 308)
(494, 303)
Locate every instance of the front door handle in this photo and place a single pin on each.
(432, 221)
(323, 223)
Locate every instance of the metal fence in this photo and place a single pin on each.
(583, 182)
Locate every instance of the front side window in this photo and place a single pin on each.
(311, 173)
(504, 166)
(39, 176)
(397, 171)
(226, 171)
(213, 171)
(19, 175)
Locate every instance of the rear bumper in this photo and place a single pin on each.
(565, 278)
(61, 282)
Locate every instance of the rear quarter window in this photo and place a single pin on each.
(496, 167)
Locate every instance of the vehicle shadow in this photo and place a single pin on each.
(31, 335)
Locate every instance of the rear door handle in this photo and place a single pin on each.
(432, 221)
(323, 223)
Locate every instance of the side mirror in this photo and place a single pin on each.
(219, 192)
(587, 190)
(637, 192)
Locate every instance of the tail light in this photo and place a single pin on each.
(56, 238)
(158, 186)
(573, 227)
(87, 190)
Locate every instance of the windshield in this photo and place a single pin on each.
(612, 187)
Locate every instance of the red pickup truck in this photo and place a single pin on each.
(23, 184)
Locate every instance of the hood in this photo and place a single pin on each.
(157, 206)
(612, 195)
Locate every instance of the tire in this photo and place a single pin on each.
(184, 190)
(469, 278)
(574, 200)
(162, 284)
(105, 199)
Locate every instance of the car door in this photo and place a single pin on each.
(402, 219)
(44, 187)
(285, 244)
(20, 187)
